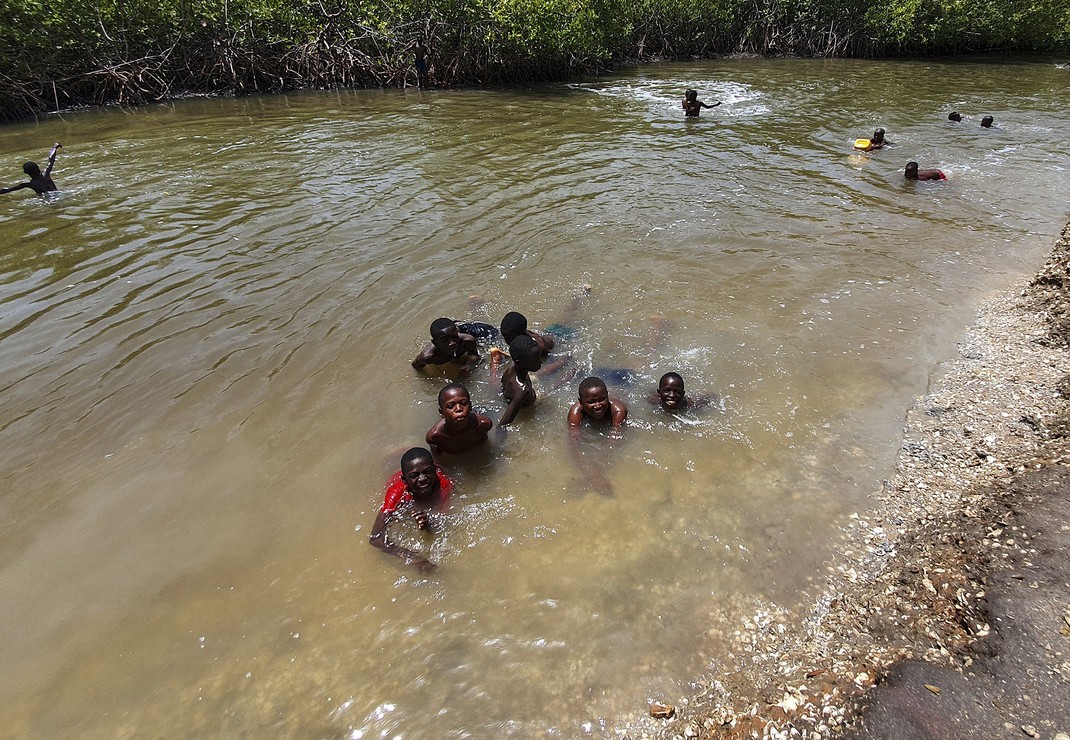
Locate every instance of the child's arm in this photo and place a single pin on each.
(513, 408)
(13, 188)
(424, 358)
(618, 414)
(52, 158)
(380, 540)
(710, 106)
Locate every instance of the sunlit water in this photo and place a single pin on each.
(205, 381)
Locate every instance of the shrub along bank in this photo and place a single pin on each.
(59, 53)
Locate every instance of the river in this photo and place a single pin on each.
(205, 382)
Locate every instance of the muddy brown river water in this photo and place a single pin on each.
(205, 381)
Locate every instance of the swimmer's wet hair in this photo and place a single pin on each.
(912, 167)
(440, 325)
(954, 116)
(523, 348)
(592, 382)
(670, 376)
(448, 388)
(31, 169)
(513, 325)
(987, 121)
(416, 453)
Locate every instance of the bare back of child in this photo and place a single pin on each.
(40, 182)
(517, 386)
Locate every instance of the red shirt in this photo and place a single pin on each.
(397, 492)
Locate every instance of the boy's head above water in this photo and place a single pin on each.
(671, 390)
(954, 116)
(525, 353)
(418, 471)
(513, 325)
(987, 121)
(594, 398)
(31, 169)
(444, 335)
(454, 402)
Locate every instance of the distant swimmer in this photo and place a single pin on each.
(420, 488)
(670, 395)
(987, 122)
(692, 105)
(448, 346)
(460, 429)
(40, 182)
(954, 116)
(913, 173)
(877, 141)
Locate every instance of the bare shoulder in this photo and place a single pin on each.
(575, 414)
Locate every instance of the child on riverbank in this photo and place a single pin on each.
(40, 182)
(420, 486)
(913, 173)
(692, 105)
(448, 346)
(517, 387)
(460, 429)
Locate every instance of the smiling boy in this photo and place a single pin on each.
(419, 486)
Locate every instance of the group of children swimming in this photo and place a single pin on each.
(911, 171)
(692, 106)
(421, 487)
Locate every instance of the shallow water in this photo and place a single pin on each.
(204, 381)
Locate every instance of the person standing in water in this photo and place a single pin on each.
(40, 182)
(692, 105)
(420, 52)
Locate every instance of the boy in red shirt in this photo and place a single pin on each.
(420, 486)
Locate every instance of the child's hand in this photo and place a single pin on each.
(420, 517)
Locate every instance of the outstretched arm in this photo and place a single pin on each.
(710, 106)
(52, 158)
(512, 409)
(13, 188)
(380, 540)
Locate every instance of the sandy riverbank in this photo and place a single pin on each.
(947, 609)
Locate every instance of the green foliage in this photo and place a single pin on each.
(75, 51)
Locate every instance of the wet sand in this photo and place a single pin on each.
(946, 612)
